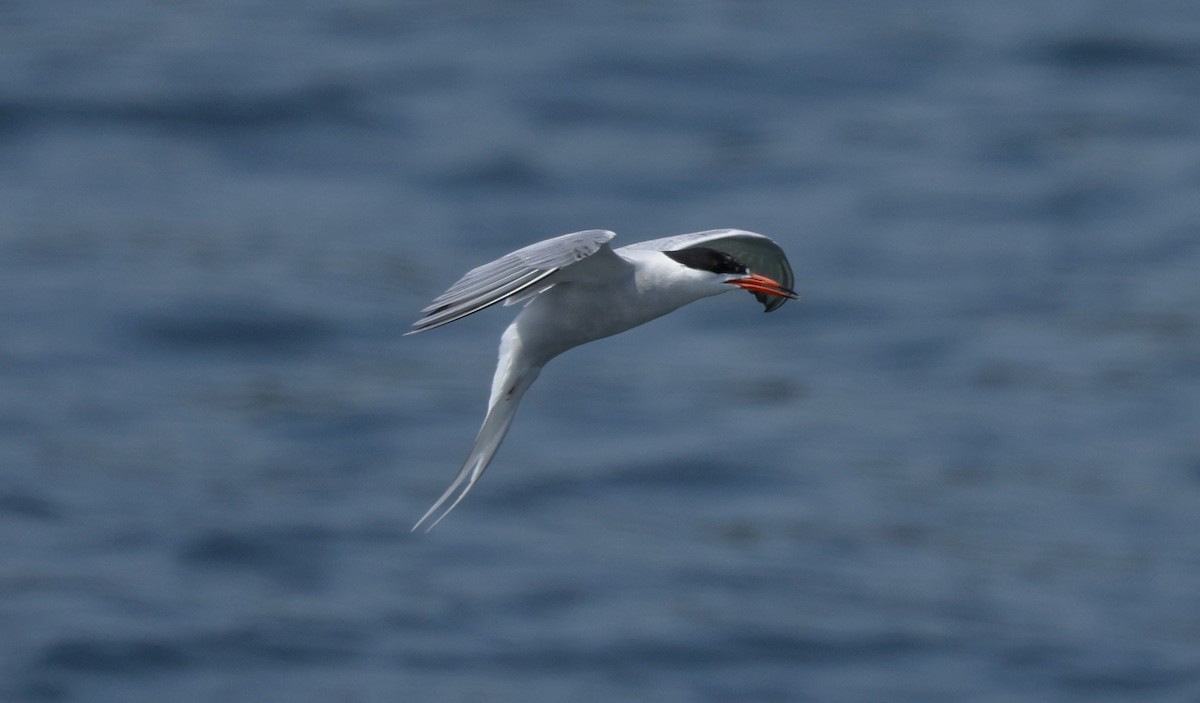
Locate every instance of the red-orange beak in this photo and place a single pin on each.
(761, 284)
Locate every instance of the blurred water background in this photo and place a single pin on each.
(965, 467)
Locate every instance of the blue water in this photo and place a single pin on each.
(965, 467)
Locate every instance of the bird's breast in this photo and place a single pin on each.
(571, 314)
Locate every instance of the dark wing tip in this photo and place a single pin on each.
(770, 303)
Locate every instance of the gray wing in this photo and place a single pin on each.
(760, 253)
(513, 274)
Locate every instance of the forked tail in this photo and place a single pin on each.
(513, 378)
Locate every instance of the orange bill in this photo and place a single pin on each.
(761, 284)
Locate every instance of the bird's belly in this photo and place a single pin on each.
(567, 316)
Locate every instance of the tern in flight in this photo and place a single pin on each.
(578, 289)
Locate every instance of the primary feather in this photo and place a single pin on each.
(508, 276)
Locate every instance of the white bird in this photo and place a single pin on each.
(578, 290)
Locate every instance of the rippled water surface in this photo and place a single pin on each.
(965, 467)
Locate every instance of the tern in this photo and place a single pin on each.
(578, 289)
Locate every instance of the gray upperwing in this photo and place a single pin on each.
(516, 272)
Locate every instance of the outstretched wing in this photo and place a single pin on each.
(760, 253)
(512, 274)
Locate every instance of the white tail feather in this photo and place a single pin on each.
(513, 377)
(495, 426)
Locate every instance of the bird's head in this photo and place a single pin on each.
(723, 269)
